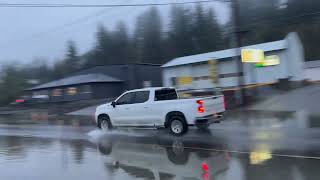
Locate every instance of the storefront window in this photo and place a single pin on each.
(72, 91)
(57, 92)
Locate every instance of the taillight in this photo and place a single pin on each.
(205, 168)
(225, 102)
(201, 108)
(19, 100)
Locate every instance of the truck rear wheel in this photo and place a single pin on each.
(177, 125)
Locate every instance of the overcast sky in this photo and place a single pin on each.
(28, 33)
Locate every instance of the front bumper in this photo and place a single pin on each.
(216, 118)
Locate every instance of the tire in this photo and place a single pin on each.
(177, 125)
(104, 123)
(177, 154)
(105, 149)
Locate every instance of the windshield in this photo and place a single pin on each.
(159, 89)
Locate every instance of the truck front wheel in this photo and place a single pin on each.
(104, 123)
(177, 125)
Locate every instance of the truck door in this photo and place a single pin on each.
(120, 114)
(132, 109)
(140, 109)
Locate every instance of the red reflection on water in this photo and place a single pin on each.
(205, 168)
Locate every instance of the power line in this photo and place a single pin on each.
(63, 26)
(20, 5)
(83, 19)
(76, 21)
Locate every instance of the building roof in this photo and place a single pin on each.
(223, 54)
(312, 64)
(106, 68)
(77, 79)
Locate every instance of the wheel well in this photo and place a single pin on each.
(100, 116)
(173, 113)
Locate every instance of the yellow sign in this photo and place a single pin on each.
(185, 80)
(258, 157)
(271, 60)
(214, 75)
(252, 55)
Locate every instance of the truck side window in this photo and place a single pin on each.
(126, 99)
(141, 96)
(165, 94)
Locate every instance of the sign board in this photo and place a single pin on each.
(185, 80)
(213, 71)
(252, 55)
(269, 61)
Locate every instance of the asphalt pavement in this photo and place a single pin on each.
(247, 145)
(304, 98)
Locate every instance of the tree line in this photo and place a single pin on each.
(190, 31)
(272, 20)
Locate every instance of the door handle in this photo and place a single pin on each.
(145, 107)
(126, 108)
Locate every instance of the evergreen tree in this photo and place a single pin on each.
(207, 34)
(72, 58)
(120, 50)
(99, 55)
(180, 32)
(148, 37)
(12, 84)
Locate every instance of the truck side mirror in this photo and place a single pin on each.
(113, 104)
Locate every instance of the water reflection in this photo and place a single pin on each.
(142, 154)
(127, 157)
(163, 159)
(43, 117)
(18, 148)
(141, 158)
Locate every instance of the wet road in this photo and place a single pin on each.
(247, 145)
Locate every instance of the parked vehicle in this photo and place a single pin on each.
(159, 107)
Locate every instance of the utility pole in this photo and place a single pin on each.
(238, 38)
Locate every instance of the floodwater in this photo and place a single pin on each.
(246, 146)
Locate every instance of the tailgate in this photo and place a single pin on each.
(213, 105)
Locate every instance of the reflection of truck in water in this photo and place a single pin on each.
(155, 161)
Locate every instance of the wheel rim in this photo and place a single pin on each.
(104, 125)
(176, 126)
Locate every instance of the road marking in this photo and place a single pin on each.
(247, 152)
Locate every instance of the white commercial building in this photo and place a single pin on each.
(291, 67)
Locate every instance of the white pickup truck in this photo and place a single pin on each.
(159, 107)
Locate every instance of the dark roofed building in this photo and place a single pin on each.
(99, 82)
